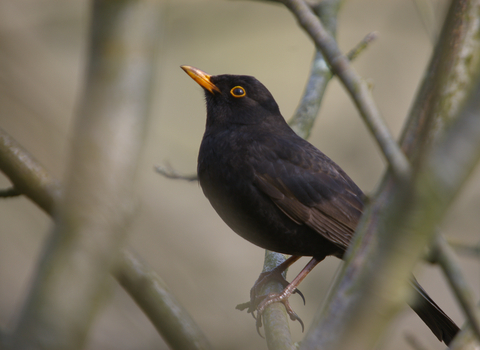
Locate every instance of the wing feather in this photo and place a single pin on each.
(313, 192)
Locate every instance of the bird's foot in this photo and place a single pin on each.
(266, 277)
(276, 298)
(258, 303)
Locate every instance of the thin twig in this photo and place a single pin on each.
(26, 174)
(427, 17)
(472, 250)
(356, 87)
(170, 173)
(10, 192)
(320, 74)
(446, 258)
(415, 344)
(362, 46)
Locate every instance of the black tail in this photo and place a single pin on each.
(440, 324)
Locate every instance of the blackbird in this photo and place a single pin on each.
(277, 190)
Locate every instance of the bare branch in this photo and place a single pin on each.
(401, 221)
(275, 317)
(96, 209)
(472, 250)
(444, 255)
(171, 173)
(9, 192)
(152, 295)
(450, 74)
(26, 174)
(356, 87)
(362, 45)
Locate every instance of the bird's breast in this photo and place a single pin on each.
(227, 180)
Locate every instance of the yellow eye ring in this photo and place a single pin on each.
(238, 92)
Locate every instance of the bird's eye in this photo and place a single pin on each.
(238, 91)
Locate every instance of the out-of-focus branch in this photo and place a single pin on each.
(402, 219)
(409, 221)
(9, 192)
(449, 76)
(356, 87)
(361, 46)
(131, 274)
(443, 255)
(26, 174)
(466, 339)
(152, 295)
(275, 318)
(170, 173)
(307, 111)
(96, 208)
(472, 250)
(320, 74)
(427, 16)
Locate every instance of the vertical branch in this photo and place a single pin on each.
(320, 74)
(401, 220)
(275, 318)
(448, 76)
(96, 209)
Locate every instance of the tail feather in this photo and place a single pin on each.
(439, 323)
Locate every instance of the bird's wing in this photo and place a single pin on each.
(311, 190)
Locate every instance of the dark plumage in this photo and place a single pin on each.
(275, 189)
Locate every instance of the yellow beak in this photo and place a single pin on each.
(202, 78)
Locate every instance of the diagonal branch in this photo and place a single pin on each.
(356, 87)
(25, 172)
(152, 295)
(445, 257)
(382, 265)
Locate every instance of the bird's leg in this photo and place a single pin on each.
(265, 277)
(287, 292)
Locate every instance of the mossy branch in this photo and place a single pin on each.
(401, 220)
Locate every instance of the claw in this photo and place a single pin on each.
(259, 324)
(293, 315)
(297, 291)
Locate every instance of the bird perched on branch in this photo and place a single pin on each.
(277, 190)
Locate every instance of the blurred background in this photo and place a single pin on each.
(209, 268)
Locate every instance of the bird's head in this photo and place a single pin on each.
(235, 99)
